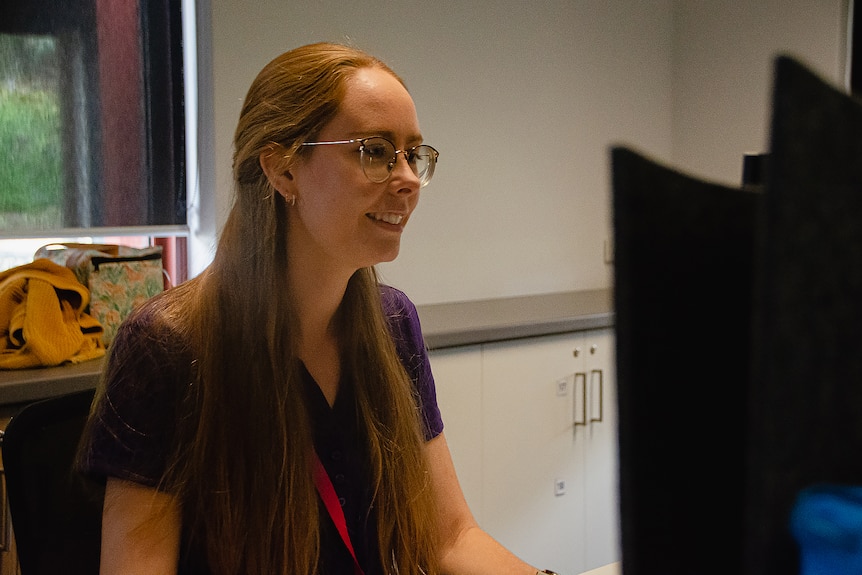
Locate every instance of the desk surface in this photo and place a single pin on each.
(27, 385)
(612, 569)
(443, 325)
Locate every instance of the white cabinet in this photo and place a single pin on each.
(530, 447)
(601, 501)
(458, 375)
(532, 427)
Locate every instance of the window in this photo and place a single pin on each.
(855, 49)
(91, 117)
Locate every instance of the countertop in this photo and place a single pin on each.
(26, 385)
(444, 325)
(471, 322)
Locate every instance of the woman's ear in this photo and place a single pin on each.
(276, 167)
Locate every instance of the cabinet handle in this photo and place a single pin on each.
(596, 376)
(582, 377)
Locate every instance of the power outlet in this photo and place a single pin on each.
(562, 387)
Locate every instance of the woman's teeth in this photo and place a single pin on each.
(394, 219)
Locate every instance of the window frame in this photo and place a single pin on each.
(95, 129)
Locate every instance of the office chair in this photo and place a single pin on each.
(56, 514)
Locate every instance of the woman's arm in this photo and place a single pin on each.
(140, 531)
(466, 549)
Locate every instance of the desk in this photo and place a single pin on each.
(21, 386)
(612, 569)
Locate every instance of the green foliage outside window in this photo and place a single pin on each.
(31, 181)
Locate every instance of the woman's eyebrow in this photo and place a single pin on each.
(388, 134)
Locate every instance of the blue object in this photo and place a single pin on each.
(827, 524)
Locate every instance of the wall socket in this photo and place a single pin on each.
(562, 387)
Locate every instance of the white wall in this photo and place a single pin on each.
(723, 54)
(523, 100)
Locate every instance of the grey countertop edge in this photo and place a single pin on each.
(483, 321)
(490, 334)
(444, 326)
(28, 385)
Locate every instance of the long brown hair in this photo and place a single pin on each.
(241, 470)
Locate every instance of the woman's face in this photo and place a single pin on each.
(341, 218)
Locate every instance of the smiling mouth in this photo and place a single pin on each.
(393, 219)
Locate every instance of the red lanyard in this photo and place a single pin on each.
(330, 501)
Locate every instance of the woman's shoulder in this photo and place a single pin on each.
(400, 312)
(167, 315)
(152, 325)
(153, 342)
(403, 319)
(395, 302)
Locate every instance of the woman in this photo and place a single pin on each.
(222, 395)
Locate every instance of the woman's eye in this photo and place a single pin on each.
(376, 152)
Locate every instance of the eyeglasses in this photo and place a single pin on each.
(378, 156)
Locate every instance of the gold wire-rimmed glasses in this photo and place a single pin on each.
(378, 156)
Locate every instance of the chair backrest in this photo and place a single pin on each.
(807, 425)
(684, 251)
(56, 513)
(739, 341)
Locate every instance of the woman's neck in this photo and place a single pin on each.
(317, 295)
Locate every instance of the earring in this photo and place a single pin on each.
(291, 201)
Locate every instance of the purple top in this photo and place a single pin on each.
(131, 429)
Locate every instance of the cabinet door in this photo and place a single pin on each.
(458, 376)
(533, 481)
(601, 503)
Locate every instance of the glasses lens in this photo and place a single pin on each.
(422, 160)
(378, 157)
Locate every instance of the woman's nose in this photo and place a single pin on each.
(403, 172)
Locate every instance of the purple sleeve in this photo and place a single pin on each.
(407, 333)
(129, 431)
